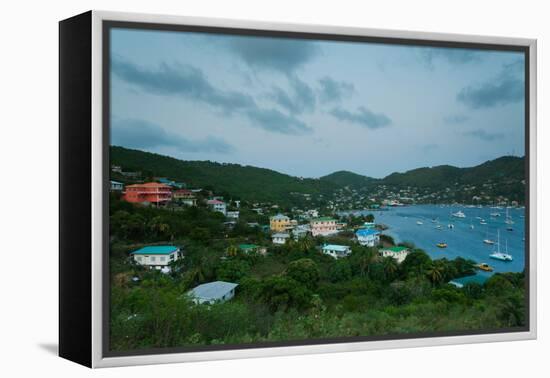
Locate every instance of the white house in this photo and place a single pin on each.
(116, 186)
(217, 205)
(368, 238)
(156, 256)
(213, 292)
(398, 253)
(336, 251)
(279, 238)
(232, 214)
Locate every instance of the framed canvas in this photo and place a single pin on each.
(234, 189)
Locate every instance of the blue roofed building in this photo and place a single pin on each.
(336, 251)
(156, 256)
(368, 237)
(213, 292)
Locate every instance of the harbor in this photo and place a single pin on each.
(427, 226)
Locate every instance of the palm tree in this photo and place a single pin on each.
(366, 259)
(232, 250)
(435, 273)
(305, 244)
(390, 267)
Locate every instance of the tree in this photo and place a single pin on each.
(232, 250)
(280, 293)
(390, 267)
(363, 258)
(436, 272)
(304, 271)
(232, 270)
(416, 263)
(340, 271)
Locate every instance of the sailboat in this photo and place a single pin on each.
(508, 218)
(487, 240)
(459, 214)
(497, 255)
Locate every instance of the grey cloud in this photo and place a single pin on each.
(455, 119)
(484, 135)
(332, 90)
(274, 120)
(363, 117)
(141, 134)
(190, 82)
(182, 80)
(278, 54)
(301, 100)
(507, 88)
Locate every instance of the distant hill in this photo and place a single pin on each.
(503, 169)
(502, 176)
(350, 179)
(233, 180)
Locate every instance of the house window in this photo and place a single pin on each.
(153, 258)
(163, 258)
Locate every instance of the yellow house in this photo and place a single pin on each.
(279, 223)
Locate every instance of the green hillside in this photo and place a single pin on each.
(233, 180)
(350, 179)
(503, 169)
(500, 177)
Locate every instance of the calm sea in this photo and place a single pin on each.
(462, 240)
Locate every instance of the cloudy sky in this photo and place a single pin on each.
(309, 108)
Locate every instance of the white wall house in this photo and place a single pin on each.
(213, 292)
(368, 238)
(116, 186)
(280, 238)
(217, 205)
(398, 253)
(232, 214)
(156, 256)
(336, 251)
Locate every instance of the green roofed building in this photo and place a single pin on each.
(252, 248)
(156, 256)
(398, 253)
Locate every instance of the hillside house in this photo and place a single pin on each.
(280, 238)
(367, 237)
(184, 197)
(279, 223)
(323, 226)
(336, 251)
(253, 248)
(232, 214)
(217, 205)
(213, 292)
(151, 192)
(398, 253)
(116, 186)
(156, 256)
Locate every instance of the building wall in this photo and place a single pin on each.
(279, 225)
(155, 260)
(323, 228)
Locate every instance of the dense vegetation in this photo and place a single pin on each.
(500, 177)
(292, 293)
(232, 180)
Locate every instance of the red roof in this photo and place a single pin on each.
(214, 202)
